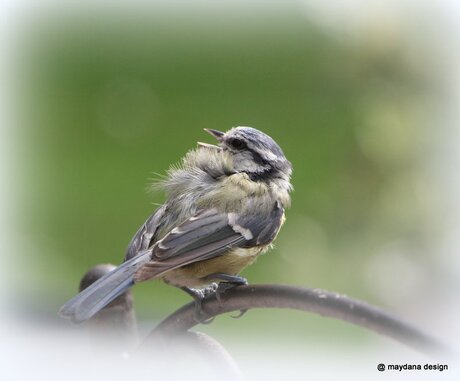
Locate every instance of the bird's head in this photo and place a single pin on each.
(252, 152)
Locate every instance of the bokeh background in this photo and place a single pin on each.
(358, 95)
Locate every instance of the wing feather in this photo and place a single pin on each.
(145, 236)
(207, 235)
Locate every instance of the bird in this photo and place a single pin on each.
(225, 205)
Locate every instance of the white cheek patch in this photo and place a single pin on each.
(246, 233)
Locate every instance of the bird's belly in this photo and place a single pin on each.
(230, 263)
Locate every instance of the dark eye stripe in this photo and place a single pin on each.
(237, 143)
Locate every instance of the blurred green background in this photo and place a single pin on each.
(108, 101)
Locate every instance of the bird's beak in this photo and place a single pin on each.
(207, 145)
(219, 135)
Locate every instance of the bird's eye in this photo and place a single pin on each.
(237, 143)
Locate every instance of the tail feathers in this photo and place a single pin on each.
(91, 300)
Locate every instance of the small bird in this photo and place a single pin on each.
(225, 205)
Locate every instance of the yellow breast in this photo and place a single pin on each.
(230, 263)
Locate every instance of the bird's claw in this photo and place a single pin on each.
(225, 286)
(228, 282)
(210, 290)
(200, 316)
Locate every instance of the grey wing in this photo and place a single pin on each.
(264, 228)
(207, 235)
(144, 237)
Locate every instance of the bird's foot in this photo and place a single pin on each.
(211, 289)
(228, 282)
(198, 294)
